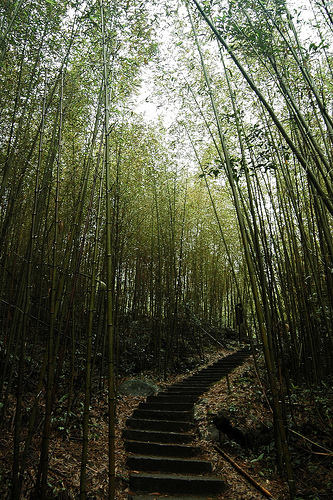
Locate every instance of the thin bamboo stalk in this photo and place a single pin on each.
(43, 470)
(109, 266)
(88, 386)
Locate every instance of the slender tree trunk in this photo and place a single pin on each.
(43, 471)
(109, 269)
(84, 459)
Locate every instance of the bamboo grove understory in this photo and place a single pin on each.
(125, 243)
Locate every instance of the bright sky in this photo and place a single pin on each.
(145, 101)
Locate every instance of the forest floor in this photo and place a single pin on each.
(242, 398)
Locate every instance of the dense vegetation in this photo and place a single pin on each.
(127, 243)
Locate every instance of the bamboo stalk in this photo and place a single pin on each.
(88, 387)
(109, 267)
(43, 470)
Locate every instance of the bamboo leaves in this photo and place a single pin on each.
(283, 131)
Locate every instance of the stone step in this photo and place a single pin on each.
(200, 380)
(219, 369)
(192, 390)
(176, 484)
(213, 377)
(162, 449)
(165, 406)
(196, 389)
(157, 436)
(159, 425)
(203, 377)
(222, 370)
(170, 398)
(190, 385)
(232, 362)
(210, 373)
(197, 392)
(197, 379)
(224, 363)
(178, 416)
(169, 497)
(170, 465)
(193, 384)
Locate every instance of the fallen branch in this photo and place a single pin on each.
(58, 472)
(330, 452)
(244, 473)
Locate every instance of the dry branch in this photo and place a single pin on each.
(244, 473)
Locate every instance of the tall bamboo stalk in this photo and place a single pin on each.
(5, 32)
(91, 310)
(43, 470)
(109, 265)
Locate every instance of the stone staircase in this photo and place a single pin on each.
(163, 457)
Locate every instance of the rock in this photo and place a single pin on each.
(239, 435)
(212, 434)
(199, 409)
(260, 434)
(221, 421)
(137, 387)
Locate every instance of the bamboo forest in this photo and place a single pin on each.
(166, 202)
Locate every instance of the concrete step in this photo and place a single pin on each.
(223, 370)
(157, 436)
(170, 398)
(208, 374)
(200, 380)
(211, 379)
(178, 416)
(196, 380)
(165, 406)
(162, 449)
(214, 369)
(176, 484)
(170, 465)
(197, 391)
(169, 497)
(193, 391)
(193, 384)
(159, 425)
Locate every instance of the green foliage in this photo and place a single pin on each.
(260, 457)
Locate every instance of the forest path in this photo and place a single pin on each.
(163, 457)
